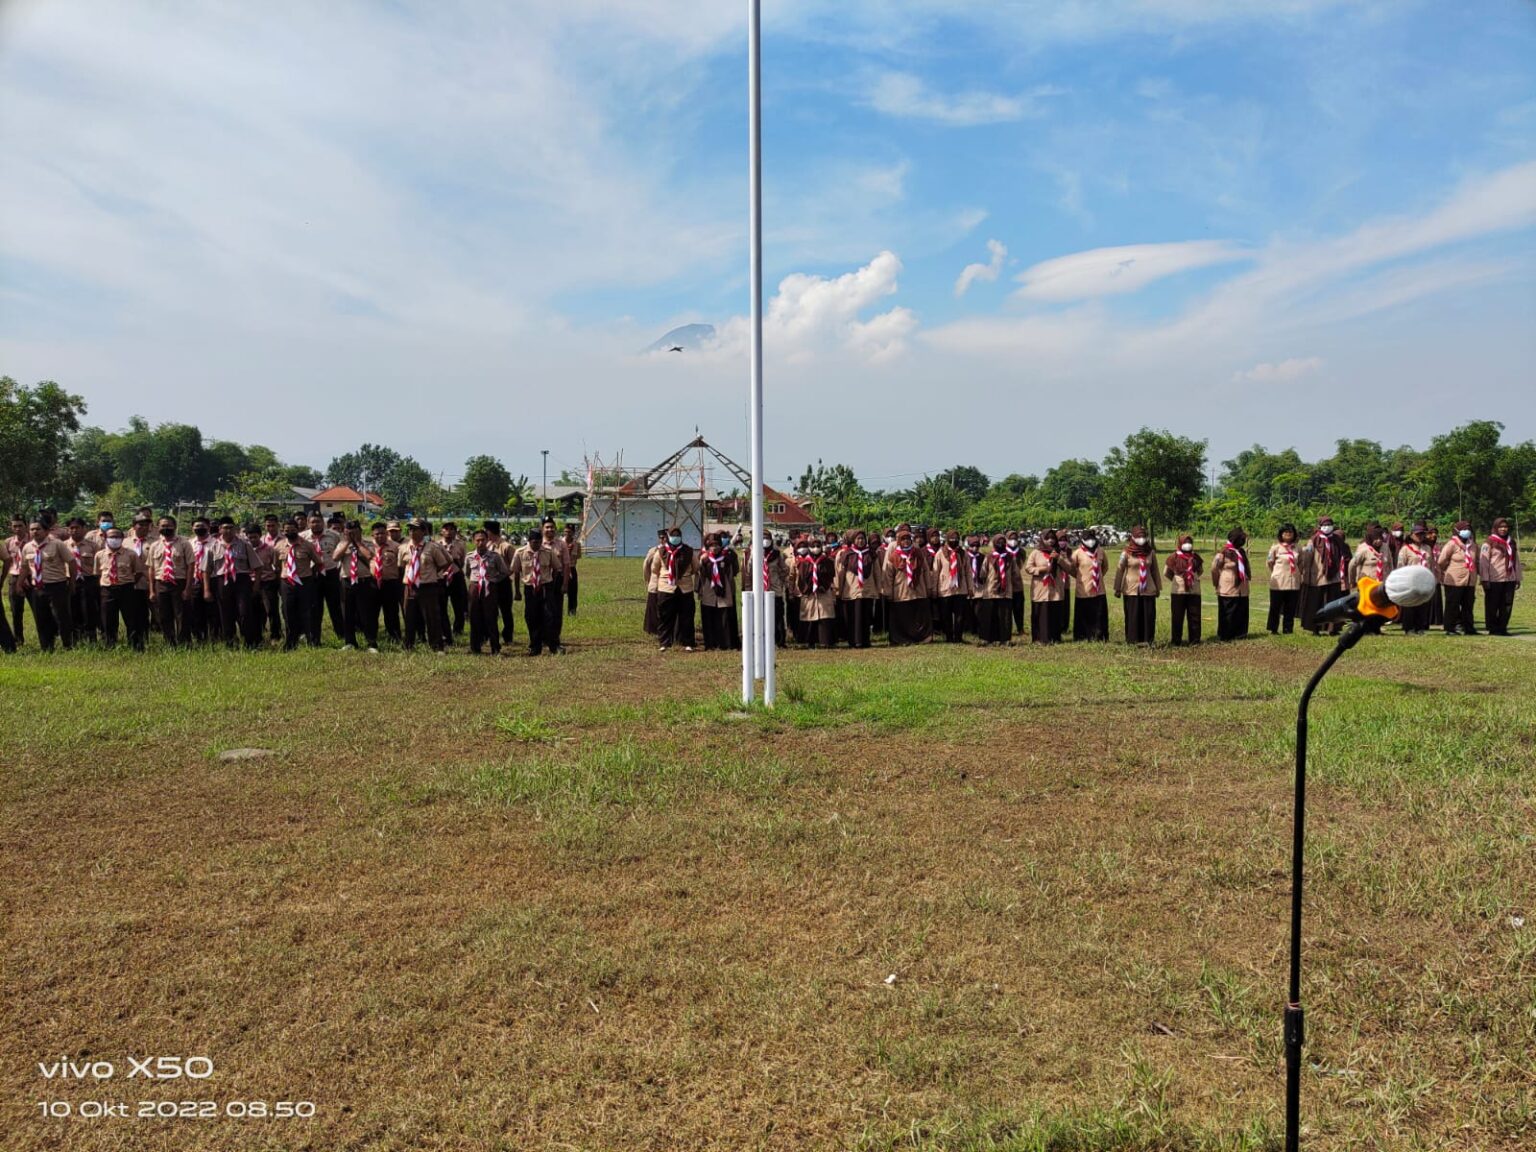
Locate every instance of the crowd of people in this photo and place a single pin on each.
(913, 585)
(275, 582)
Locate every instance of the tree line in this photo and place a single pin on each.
(1164, 481)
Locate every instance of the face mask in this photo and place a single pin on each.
(971, 545)
(802, 551)
(199, 532)
(1396, 535)
(1465, 534)
(1139, 541)
(1013, 541)
(1325, 530)
(105, 526)
(115, 543)
(674, 540)
(167, 532)
(1186, 547)
(816, 551)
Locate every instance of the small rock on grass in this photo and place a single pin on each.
(245, 753)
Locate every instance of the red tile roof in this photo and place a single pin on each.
(341, 494)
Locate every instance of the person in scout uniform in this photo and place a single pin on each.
(1231, 576)
(455, 587)
(1138, 583)
(299, 567)
(858, 589)
(1049, 572)
(263, 577)
(572, 557)
(677, 577)
(12, 573)
(228, 587)
(423, 562)
(503, 591)
(47, 580)
(1458, 576)
(271, 590)
(777, 575)
(1184, 568)
(1284, 564)
(719, 570)
(536, 568)
(1437, 602)
(952, 574)
(1415, 552)
(385, 567)
(173, 582)
(1372, 559)
(1320, 580)
(85, 593)
(1088, 566)
(994, 604)
(816, 576)
(326, 598)
(118, 571)
(484, 570)
(1498, 567)
(907, 567)
(355, 556)
(652, 570)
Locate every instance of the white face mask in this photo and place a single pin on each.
(1465, 534)
(114, 545)
(1091, 543)
(1325, 530)
(1139, 541)
(1186, 547)
(1397, 535)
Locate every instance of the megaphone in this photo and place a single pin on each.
(1403, 588)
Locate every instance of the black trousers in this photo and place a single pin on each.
(1313, 597)
(820, 633)
(994, 620)
(859, 621)
(502, 593)
(720, 627)
(570, 593)
(388, 601)
(50, 612)
(327, 599)
(1414, 619)
(1017, 604)
(171, 613)
(1063, 609)
(1091, 621)
(1437, 606)
(1498, 602)
(1045, 621)
(1459, 603)
(234, 603)
(951, 621)
(199, 616)
(272, 607)
(424, 616)
(482, 619)
(1231, 617)
(543, 612)
(456, 596)
(1186, 611)
(18, 612)
(1282, 609)
(85, 607)
(1140, 619)
(120, 603)
(674, 619)
(301, 607)
(908, 620)
(360, 612)
(7, 641)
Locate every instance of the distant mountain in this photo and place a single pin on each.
(688, 337)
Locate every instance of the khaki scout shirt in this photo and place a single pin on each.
(1497, 565)
(430, 561)
(306, 561)
(180, 553)
(129, 569)
(1041, 564)
(50, 562)
(536, 565)
(1183, 571)
(1458, 564)
(1089, 571)
(1130, 579)
(1284, 563)
(952, 572)
(1229, 574)
(902, 585)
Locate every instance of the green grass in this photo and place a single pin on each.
(595, 902)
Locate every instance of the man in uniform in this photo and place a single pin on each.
(423, 563)
(229, 586)
(536, 568)
(202, 615)
(118, 571)
(299, 567)
(12, 573)
(169, 563)
(503, 591)
(85, 598)
(271, 590)
(386, 574)
(455, 594)
(485, 571)
(47, 579)
(263, 579)
(360, 589)
(572, 555)
(327, 596)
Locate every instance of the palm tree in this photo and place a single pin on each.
(520, 496)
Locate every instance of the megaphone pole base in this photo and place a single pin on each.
(1351, 636)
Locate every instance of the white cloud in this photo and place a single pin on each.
(988, 271)
(908, 96)
(1283, 372)
(1114, 271)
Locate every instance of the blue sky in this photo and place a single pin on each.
(999, 233)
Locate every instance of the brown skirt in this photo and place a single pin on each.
(652, 617)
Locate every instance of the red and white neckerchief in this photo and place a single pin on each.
(228, 571)
(1410, 546)
(975, 567)
(1049, 578)
(269, 540)
(768, 555)
(1011, 549)
(1003, 561)
(112, 570)
(79, 568)
(715, 563)
(479, 570)
(954, 568)
(1290, 556)
(376, 565)
(1503, 542)
(1374, 552)
(352, 565)
(905, 555)
(671, 555)
(168, 571)
(1237, 558)
(538, 568)
(1144, 570)
(291, 566)
(858, 571)
(1469, 555)
(37, 564)
(452, 569)
(1095, 572)
(413, 567)
(815, 563)
(137, 544)
(199, 551)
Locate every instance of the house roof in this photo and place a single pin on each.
(341, 494)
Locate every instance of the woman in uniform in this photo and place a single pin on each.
(816, 574)
(1138, 583)
(1458, 576)
(1183, 570)
(719, 571)
(1284, 564)
(858, 588)
(1047, 570)
(994, 607)
(1415, 552)
(1231, 576)
(905, 569)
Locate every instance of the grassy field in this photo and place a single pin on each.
(940, 898)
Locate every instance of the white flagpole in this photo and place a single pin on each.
(761, 621)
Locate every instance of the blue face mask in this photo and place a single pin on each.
(674, 540)
(105, 525)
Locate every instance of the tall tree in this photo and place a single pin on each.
(1155, 478)
(968, 479)
(1072, 484)
(486, 484)
(35, 429)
